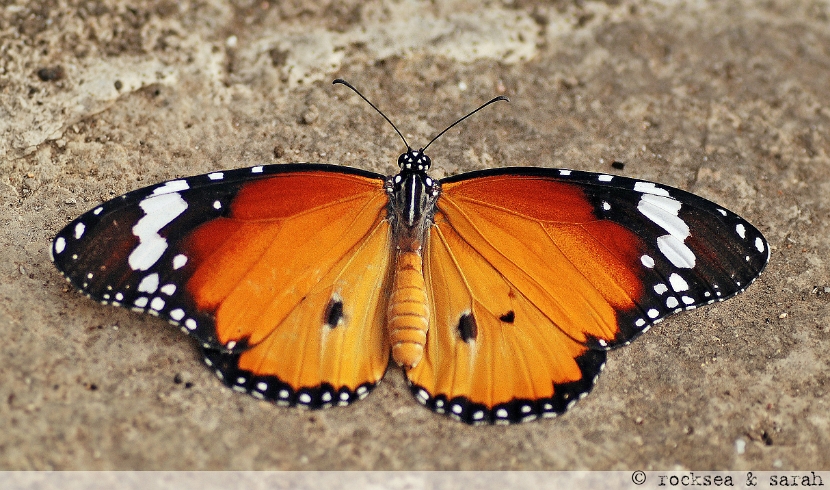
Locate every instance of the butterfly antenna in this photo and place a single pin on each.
(494, 99)
(344, 82)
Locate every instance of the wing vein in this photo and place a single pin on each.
(351, 253)
(519, 270)
(454, 260)
(334, 263)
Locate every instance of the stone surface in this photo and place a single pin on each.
(725, 99)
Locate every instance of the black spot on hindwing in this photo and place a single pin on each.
(508, 317)
(467, 328)
(334, 312)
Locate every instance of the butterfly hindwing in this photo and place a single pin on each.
(266, 267)
(533, 273)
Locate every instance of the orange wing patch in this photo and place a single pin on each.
(577, 270)
(296, 284)
(333, 334)
(515, 312)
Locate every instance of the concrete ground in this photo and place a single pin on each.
(726, 99)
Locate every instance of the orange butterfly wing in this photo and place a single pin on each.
(520, 291)
(295, 277)
(532, 274)
(279, 271)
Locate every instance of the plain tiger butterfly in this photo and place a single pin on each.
(498, 291)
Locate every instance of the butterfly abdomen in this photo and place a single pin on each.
(408, 314)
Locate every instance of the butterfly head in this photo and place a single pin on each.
(414, 160)
(412, 194)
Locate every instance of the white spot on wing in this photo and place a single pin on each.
(564, 172)
(216, 176)
(660, 288)
(257, 170)
(676, 252)
(663, 212)
(671, 302)
(79, 230)
(159, 211)
(179, 261)
(60, 245)
(168, 289)
(147, 253)
(647, 261)
(759, 244)
(149, 284)
(605, 178)
(650, 188)
(172, 186)
(741, 230)
(157, 304)
(177, 314)
(652, 313)
(678, 283)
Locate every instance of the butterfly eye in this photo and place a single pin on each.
(423, 162)
(403, 161)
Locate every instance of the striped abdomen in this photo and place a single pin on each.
(407, 313)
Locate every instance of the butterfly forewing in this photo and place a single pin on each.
(266, 267)
(534, 272)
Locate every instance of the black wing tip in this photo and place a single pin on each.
(273, 389)
(515, 411)
(198, 326)
(634, 323)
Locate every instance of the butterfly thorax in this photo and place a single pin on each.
(412, 197)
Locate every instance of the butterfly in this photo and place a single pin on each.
(498, 291)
